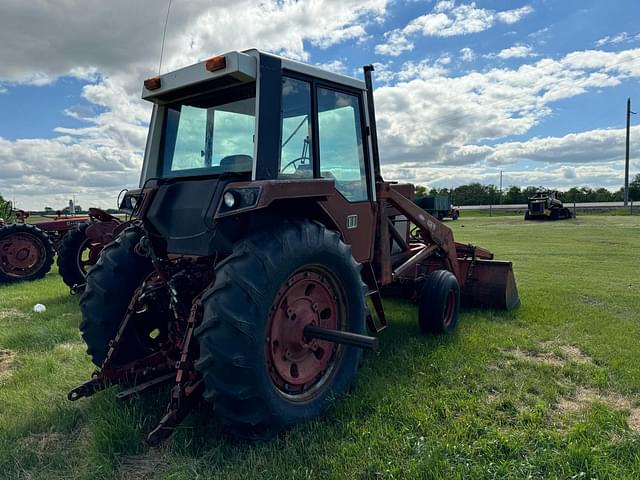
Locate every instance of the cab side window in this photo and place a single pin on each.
(340, 143)
(295, 150)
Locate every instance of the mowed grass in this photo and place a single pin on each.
(550, 390)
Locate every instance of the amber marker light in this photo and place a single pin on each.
(215, 63)
(152, 83)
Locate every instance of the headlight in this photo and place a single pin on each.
(229, 199)
(237, 199)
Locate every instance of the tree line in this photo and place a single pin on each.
(478, 194)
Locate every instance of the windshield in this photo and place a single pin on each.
(210, 134)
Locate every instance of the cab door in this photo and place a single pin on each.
(343, 157)
(322, 136)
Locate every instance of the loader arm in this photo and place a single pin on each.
(432, 230)
(484, 282)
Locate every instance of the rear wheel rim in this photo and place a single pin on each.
(449, 308)
(88, 254)
(299, 368)
(21, 254)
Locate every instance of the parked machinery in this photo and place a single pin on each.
(545, 205)
(261, 227)
(439, 206)
(27, 249)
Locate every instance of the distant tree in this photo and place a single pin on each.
(572, 195)
(634, 188)
(618, 196)
(6, 210)
(603, 195)
(48, 209)
(472, 194)
(514, 196)
(421, 191)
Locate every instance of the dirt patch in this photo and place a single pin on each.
(42, 444)
(586, 299)
(7, 363)
(13, 314)
(584, 397)
(146, 466)
(545, 354)
(575, 354)
(634, 420)
(535, 356)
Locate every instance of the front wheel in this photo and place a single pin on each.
(439, 303)
(261, 372)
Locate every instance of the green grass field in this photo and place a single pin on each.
(550, 390)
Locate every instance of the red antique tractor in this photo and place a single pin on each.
(262, 231)
(27, 249)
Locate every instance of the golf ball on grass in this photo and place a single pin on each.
(39, 308)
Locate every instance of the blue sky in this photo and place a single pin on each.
(464, 89)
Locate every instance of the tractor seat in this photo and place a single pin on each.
(237, 163)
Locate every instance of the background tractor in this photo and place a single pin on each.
(261, 234)
(27, 249)
(545, 205)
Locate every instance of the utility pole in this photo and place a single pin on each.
(626, 157)
(500, 187)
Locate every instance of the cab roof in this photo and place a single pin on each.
(232, 68)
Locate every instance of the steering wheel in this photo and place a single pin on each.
(293, 163)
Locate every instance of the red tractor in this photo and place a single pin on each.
(262, 231)
(27, 249)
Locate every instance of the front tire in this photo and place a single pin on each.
(439, 303)
(261, 373)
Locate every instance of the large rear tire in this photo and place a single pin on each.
(26, 253)
(110, 285)
(258, 369)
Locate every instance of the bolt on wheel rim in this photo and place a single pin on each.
(299, 367)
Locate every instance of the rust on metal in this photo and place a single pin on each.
(295, 362)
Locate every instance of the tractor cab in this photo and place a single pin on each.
(285, 128)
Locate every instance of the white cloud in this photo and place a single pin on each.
(447, 20)
(595, 146)
(516, 51)
(619, 38)
(335, 66)
(396, 43)
(431, 120)
(467, 54)
(513, 16)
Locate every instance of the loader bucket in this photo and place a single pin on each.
(488, 284)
